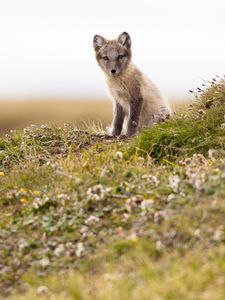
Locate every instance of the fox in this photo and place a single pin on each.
(137, 101)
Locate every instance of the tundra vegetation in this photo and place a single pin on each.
(86, 217)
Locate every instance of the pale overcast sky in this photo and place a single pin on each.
(46, 45)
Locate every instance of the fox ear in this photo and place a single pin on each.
(124, 39)
(98, 42)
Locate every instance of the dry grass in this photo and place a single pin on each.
(21, 113)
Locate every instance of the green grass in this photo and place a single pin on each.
(197, 131)
(85, 217)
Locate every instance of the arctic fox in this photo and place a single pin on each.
(137, 101)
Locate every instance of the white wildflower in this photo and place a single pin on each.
(44, 262)
(151, 178)
(118, 155)
(199, 158)
(146, 204)
(218, 235)
(133, 237)
(182, 194)
(161, 215)
(197, 232)
(92, 220)
(196, 172)
(155, 180)
(212, 154)
(84, 229)
(44, 126)
(174, 181)
(126, 216)
(159, 245)
(42, 289)
(39, 202)
(23, 244)
(113, 277)
(141, 159)
(80, 249)
(59, 250)
(199, 182)
(98, 192)
(171, 197)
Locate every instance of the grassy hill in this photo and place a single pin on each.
(87, 217)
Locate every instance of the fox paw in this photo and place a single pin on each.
(108, 137)
(122, 137)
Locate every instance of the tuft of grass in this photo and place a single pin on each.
(201, 129)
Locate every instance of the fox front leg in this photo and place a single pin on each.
(118, 119)
(134, 116)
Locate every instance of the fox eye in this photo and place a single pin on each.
(120, 56)
(105, 58)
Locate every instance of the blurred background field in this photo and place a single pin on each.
(47, 54)
(48, 70)
(17, 114)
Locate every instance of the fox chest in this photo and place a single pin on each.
(120, 94)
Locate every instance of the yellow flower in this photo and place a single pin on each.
(2, 174)
(22, 191)
(37, 193)
(24, 200)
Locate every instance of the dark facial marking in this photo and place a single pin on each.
(121, 56)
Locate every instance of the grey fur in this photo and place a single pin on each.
(137, 101)
(124, 39)
(134, 116)
(98, 42)
(118, 119)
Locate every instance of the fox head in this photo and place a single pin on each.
(113, 56)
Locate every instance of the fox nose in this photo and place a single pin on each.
(113, 71)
